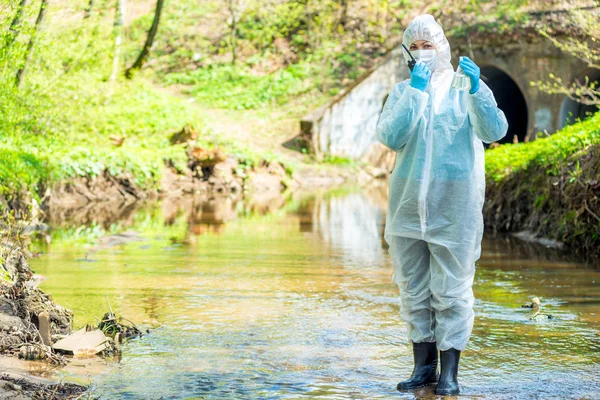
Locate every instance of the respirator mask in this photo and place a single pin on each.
(427, 57)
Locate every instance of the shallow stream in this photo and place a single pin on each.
(293, 299)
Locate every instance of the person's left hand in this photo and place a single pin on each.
(472, 71)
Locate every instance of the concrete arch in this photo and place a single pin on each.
(571, 110)
(511, 99)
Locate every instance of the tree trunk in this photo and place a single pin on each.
(119, 16)
(15, 23)
(232, 32)
(29, 52)
(139, 63)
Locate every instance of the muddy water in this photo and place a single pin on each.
(294, 299)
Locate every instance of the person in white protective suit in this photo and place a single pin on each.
(434, 223)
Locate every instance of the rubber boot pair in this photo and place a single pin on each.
(425, 369)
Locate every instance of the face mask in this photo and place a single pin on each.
(428, 57)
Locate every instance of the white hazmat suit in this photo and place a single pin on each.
(434, 223)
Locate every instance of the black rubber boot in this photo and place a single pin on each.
(448, 383)
(425, 370)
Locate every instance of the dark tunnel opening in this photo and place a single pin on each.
(510, 100)
(571, 110)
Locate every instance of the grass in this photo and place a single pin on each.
(546, 152)
(69, 136)
(237, 88)
(548, 187)
(61, 123)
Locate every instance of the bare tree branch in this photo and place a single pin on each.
(29, 52)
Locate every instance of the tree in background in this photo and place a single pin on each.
(29, 51)
(88, 10)
(14, 32)
(584, 23)
(139, 62)
(234, 9)
(119, 22)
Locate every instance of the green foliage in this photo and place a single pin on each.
(237, 88)
(284, 48)
(69, 136)
(544, 152)
(291, 55)
(58, 125)
(336, 160)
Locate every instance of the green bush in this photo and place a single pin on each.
(226, 86)
(546, 152)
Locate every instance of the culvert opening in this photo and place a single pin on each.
(572, 111)
(510, 99)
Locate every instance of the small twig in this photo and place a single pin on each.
(109, 309)
(590, 211)
(131, 323)
(56, 388)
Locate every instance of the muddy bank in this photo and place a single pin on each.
(208, 170)
(28, 316)
(105, 199)
(30, 321)
(561, 203)
(18, 384)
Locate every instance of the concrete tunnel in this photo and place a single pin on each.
(510, 100)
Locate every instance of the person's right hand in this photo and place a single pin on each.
(419, 76)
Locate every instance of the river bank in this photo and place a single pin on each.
(549, 188)
(207, 171)
(29, 321)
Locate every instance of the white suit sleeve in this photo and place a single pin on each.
(402, 112)
(488, 121)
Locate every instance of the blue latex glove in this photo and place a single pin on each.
(419, 76)
(472, 71)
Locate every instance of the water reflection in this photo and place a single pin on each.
(351, 224)
(292, 298)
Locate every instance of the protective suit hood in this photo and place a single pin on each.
(424, 27)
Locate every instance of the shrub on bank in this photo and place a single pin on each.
(550, 186)
(544, 152)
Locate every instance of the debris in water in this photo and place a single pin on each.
(541, 317)
(535, 304)
(33, 352)
(83, 342)
(113, 326)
